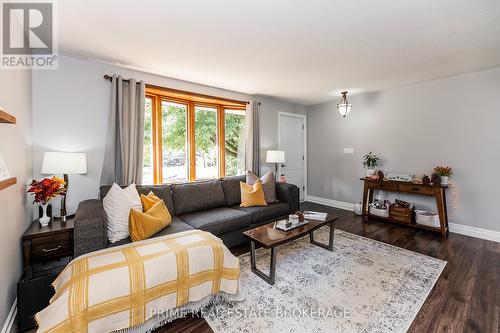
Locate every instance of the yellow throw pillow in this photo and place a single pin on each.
(148, 201)
(144, 225)
(252, 195)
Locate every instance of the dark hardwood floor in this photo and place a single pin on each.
(466, 298)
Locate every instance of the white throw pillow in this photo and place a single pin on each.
(117, 204)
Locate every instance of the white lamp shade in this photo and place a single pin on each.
(55, 163)
(275, 156)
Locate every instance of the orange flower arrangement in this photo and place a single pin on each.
(46, 189)
(443, 171)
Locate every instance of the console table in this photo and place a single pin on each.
(438, 192)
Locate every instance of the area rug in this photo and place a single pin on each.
(362, 286)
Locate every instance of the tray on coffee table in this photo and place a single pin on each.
(291, 227)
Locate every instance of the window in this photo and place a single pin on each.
(174, 142)
(205, 140)
(234, 123)
(147, 175)
(192, 137)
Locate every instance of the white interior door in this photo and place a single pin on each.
(292, 134)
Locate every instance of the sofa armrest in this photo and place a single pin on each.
(288, 193)
(90, 227)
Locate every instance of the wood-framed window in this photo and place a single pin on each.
(191, 137)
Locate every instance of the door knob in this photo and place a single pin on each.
(283, 165)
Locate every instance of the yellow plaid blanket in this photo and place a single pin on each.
(123, 287)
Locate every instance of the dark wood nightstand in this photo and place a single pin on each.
(44, 244)
(46, 251)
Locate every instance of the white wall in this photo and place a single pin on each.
(15, 208)
(455, 121)
(71, 110)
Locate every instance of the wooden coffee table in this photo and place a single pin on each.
(270, 237)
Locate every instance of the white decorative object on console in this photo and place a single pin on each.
(402, 177)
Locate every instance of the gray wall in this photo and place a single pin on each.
(15, 208)
(269, 118)
(455, 121)
(77, 97)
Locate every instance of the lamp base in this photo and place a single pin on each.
(63, 218)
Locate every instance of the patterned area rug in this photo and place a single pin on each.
(362, 286)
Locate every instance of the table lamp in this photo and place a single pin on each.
(275, 156)
(56, 163)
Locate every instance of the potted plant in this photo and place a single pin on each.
(444, 172)
(45, 190)
(370, 162)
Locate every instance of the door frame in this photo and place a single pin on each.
(304, 118)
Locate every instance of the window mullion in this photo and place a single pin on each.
(221, 141)
(191, 142)
(157, 141)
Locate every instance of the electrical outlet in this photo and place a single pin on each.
(348, 150)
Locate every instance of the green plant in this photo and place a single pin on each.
(443, 171)
(370, 161)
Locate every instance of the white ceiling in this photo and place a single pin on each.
(302, 51)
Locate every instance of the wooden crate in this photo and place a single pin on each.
(402, 214)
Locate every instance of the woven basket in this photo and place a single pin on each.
(427, 218)
(379, 212)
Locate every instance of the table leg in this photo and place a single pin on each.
(272, 269)
(330, 241)
(366, 201)
(441, 207)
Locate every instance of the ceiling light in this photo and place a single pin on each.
(344, 106)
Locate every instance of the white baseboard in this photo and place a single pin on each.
(330, 202)
(454, 227)
(475, 232)
(9, 322)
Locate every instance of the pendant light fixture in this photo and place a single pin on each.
(344, 106)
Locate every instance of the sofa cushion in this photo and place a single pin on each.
(218, 220)
(143, 225)
(161, 191)
(231, 187)
(177, 225)
(268, 184)
(252, 195)
(117, 204)
(195, 197)
(264, 213)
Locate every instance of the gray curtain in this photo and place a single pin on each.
(124, 146)
(252, 143)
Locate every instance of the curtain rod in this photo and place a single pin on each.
(108, 77)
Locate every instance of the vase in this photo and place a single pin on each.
(444, 180)
(370, 172)
(44, 220)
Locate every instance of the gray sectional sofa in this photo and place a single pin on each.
(210, 206)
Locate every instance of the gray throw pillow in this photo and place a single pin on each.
(268, 184)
